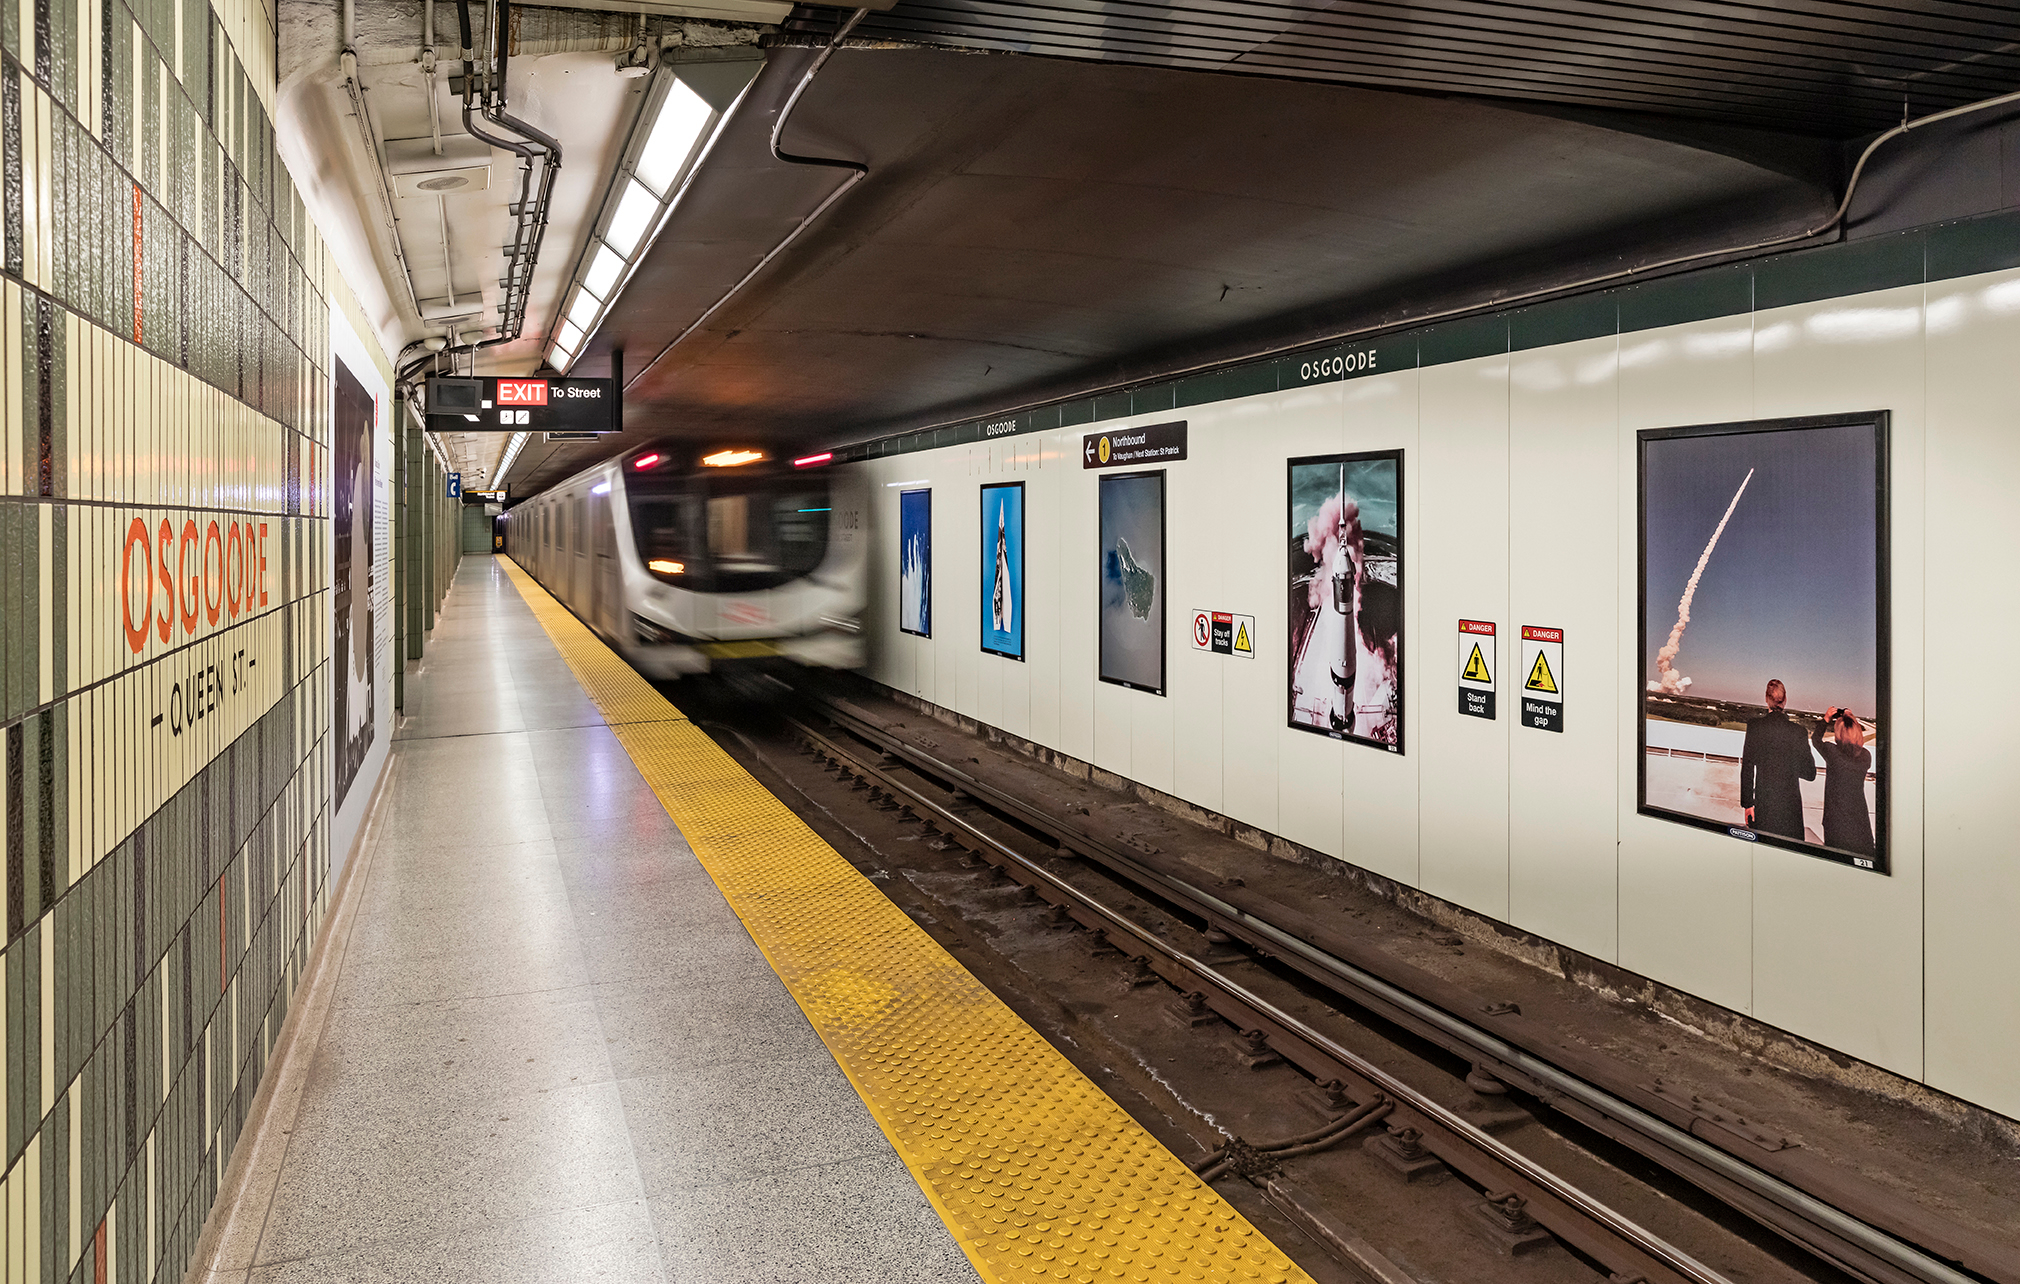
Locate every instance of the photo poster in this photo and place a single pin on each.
(915, 562)
(351, 453)
(1132, 581)
(1003, 569)
(1346, 597)
(1763, 633)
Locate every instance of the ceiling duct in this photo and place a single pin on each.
(463, 166)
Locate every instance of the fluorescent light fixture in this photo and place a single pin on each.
(682, 117)
(808, 461)
(585, 308)
(571, 335)
(731, 458)
(601, 488)
(559, 357)
(603, 272)
(633, 217)
(512, 449)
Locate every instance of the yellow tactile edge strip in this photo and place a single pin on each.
(1037, 1173)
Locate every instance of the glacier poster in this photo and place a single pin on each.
(1003, 569)
(1132, 581)
(915, 562)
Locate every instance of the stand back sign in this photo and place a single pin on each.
(1542, 678)
(1476, 668)
(1224, 633)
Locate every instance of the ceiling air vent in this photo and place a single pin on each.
(463, 166)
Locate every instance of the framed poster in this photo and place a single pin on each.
(1763, 632)
(915, 562)
(352, 530)
(1131, 609)
(1346, 597)
(1003, 569)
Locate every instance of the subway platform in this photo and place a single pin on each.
(593, 1005)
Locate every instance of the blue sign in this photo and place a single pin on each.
(455, 485)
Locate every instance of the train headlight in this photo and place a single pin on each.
(841, 624)
(665, 566)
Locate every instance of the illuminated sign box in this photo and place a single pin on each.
(492, 404)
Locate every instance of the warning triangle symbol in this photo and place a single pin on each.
(1476, 667)
(1539, 676)
(1241, 642)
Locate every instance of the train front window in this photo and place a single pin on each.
(731, 534)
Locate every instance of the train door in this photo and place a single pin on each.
(602, 565)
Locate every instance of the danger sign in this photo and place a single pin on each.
(1476, 668)
(1224, 633)
(1543, 678)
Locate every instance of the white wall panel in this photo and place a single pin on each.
(1197, 523)
(1566, 534)
(1246, 479)
(1041, 588)
(1378, 787)
(1079, 532)
(1686, 895)
(1457, 566)
(1838, 951)
(1973, 603)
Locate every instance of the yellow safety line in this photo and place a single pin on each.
(1037, 1173)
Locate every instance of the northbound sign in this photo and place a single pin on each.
(1121, 447)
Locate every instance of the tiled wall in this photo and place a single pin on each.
(165, 308)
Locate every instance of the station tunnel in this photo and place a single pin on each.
(975, 640)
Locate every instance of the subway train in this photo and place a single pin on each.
(683, 562)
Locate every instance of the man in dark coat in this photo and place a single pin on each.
(1776, 757)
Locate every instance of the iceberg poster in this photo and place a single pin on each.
(915, 562)
(1132, 581)
(1003, 569)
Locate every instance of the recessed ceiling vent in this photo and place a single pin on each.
(464, 166)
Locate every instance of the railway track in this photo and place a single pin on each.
(1201, 942)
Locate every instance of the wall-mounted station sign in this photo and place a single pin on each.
(491, 404)
(1121, 447)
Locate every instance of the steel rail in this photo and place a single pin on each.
(1616, 1222)
(1822, 1228)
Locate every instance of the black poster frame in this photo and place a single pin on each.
(1024, 535)
(927, 491)
(1164, 580)
(1881, 423)
(1402, 570)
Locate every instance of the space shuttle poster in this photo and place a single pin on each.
(1003, 569)
(1346, 597)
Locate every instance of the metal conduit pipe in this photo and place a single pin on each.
(531, 211)
(354, 89)
(1835, 221)
(857, 173)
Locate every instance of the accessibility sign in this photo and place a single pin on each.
(1153, 444)
(1224, 633)
(1476, 668)
(1543, 680)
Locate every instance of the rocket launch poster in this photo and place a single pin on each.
(1003, 569)
(1763, 640)
(1346, 597)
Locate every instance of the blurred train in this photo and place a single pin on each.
(682, 563)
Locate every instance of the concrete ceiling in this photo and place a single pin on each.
(1032, 224)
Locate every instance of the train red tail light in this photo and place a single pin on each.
(811, 461)
(645, 461)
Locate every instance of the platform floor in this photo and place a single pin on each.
(598, 1006)
(550, 1051)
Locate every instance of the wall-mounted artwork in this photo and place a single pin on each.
(351, 533)
(1132, 581)
(1003, 569)
(1763, 642)
(915, 562)
(1346, 597)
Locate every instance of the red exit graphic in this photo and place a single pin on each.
(522, 392)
